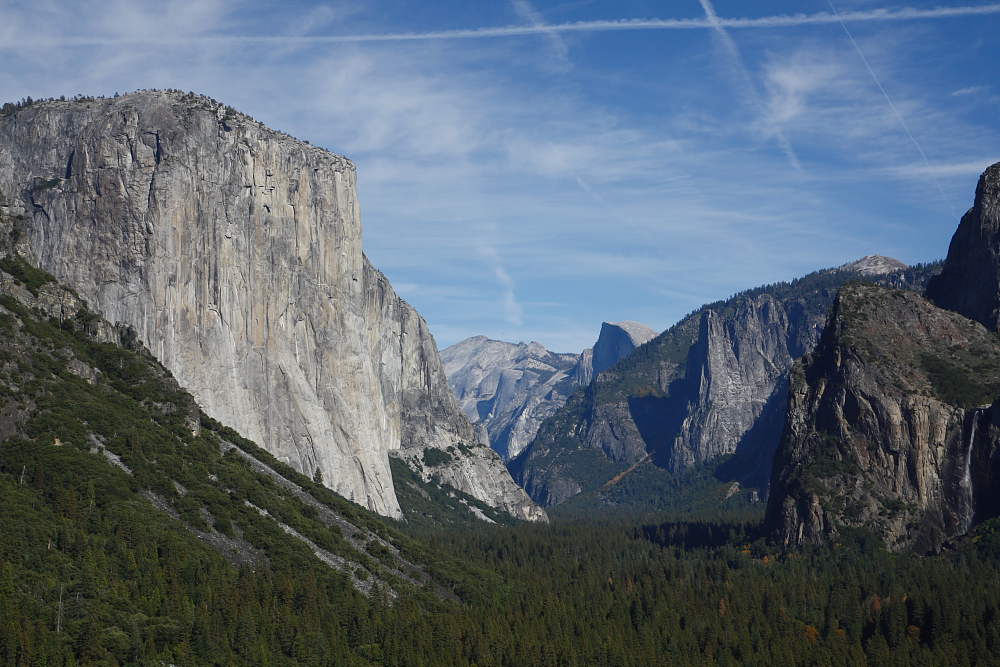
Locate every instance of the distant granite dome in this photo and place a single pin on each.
(874, 265)
(617, 340)
(509, 389)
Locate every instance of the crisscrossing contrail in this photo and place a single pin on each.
(781, 21)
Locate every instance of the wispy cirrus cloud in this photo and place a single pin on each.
(969, 168)
(747, 84)
(763, 22)
(970, 90)
(513, 312)
(528, 13)
(505, 201)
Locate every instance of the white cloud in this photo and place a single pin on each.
(970, 90)
(749, 87)
(574, 197)
(557, 46)
(764, 22)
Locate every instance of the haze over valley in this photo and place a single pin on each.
(499, 334)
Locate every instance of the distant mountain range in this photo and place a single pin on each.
(714, 385)
(508, 389)
(711, 387)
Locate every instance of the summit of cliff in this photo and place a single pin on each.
(235, 253)
(616, 341)
(969, 283)
(873, 265)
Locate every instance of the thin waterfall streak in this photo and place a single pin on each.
(967, 489)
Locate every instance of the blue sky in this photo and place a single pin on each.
(528, 169)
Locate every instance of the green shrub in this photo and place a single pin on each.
(436, 457)
(32, 278)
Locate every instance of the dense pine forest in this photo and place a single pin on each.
(133, 535)
(91, 576)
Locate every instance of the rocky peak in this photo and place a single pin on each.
(873, 265)
(969, 283)
(616, 341)
(234, 252)
(886, 428)
(508, 388)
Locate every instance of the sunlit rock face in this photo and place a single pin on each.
(235, 253)
(617, 340)
(509, 389)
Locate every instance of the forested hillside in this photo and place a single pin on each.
(709, 391)
(137, 531)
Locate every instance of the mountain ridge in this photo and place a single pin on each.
(235, 253)
(712, 385)
(508, 389)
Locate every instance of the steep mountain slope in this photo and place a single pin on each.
(133, 509)
(970, 280)
(510, 388)
(711, 386)
(234, 252)
(887, 422)
(893, 423)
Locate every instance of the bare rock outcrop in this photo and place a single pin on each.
(234, 252)
(873, 265)
(891, 425)
(616, 341)
(969, 283)
(713, 385)
(509, 389)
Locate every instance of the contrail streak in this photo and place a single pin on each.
(748, 84)
(781, 21)
(533, 17)
(888, 99)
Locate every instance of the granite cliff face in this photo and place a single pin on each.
(970, 280)
(616, 341)
(873, 265)
(509, 389)
(234, 252)
(891, 425)
(714, 384)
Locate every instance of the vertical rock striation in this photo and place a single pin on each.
(235, 253)
(714, 384)
(891, 425)
(509, 389)
(970, 280)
